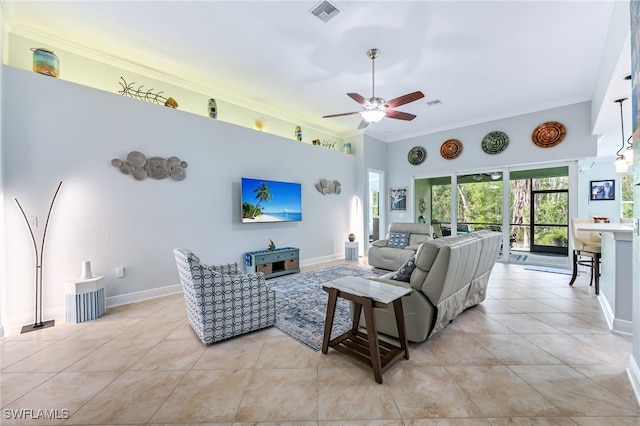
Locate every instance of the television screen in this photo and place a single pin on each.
(270, 201)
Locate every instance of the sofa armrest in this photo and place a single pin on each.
(379, 243)
(413, 247)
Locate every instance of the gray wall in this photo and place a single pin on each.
(601, 170)
(60, 131)
(578, 143)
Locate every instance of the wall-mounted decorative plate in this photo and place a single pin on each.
(548, 134)
(451, 149)
(417, 155)
(495, 142)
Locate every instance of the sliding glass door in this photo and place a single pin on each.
(540, 210)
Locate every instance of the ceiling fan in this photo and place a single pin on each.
(375, 108)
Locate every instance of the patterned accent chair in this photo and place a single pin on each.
(223, 302)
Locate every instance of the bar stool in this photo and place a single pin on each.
(586, 244)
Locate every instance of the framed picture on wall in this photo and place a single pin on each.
(602, 190)
(398, 199)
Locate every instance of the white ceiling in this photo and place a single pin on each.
(483, 60)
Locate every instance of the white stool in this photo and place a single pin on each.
(85, 299)
(351, 251)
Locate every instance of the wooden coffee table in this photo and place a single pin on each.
(366, 347)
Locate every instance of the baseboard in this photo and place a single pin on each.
(606, 309)
(622, 327)
(616, 325)
(27, 318)
(634, 377)
(122, 299)
(139, 296)
(316, 260)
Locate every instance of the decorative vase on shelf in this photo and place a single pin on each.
(86, 270)
(298, 133)
(213, 108)
(346, 148)
(45, 62)
(352, 237)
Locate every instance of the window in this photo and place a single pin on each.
(480, 201)
(626, 197)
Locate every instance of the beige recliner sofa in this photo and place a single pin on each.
(451, 274)
(382, 253)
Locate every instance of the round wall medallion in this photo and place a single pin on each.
(417, 155)
(548, 134)
(451, 149)
(495, 142)
(136, 159)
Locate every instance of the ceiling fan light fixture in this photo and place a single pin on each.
(495, 175)
(373, 116)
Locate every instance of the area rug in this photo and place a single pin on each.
(548, 269)
(301, 304)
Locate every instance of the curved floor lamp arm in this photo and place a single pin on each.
(44, 235)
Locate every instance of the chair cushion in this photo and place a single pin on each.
(398, 240)
(404, 273)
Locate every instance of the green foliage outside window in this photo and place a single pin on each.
(627, 195)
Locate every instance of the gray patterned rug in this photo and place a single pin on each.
(301, 304)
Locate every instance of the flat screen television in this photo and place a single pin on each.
(270, 201)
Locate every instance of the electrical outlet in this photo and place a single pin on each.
(120, 272)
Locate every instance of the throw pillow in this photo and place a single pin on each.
(398, 240)
(404, 273)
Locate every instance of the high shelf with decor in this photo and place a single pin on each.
(273, 263)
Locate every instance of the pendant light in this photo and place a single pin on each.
(621, 161)
(628, 154)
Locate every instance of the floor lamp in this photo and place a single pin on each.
(38, 324)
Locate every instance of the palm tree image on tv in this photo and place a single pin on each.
(270, 201)
(262, 195)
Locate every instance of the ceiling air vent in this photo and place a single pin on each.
(325, 11)
(434, 102)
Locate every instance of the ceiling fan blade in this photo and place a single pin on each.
(364, 123)
(405, 99)
(399, 115)
(357, 97)
(341, 114)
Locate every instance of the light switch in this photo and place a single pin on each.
(120, 272)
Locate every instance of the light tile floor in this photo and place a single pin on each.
(536, 352)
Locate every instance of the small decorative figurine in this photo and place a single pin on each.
(258, 123)
(272, 245)
(213, 108)
(298, 134)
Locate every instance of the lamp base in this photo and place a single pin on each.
(36, 327)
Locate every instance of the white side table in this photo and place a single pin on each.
(85, 299)
(351, 251)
